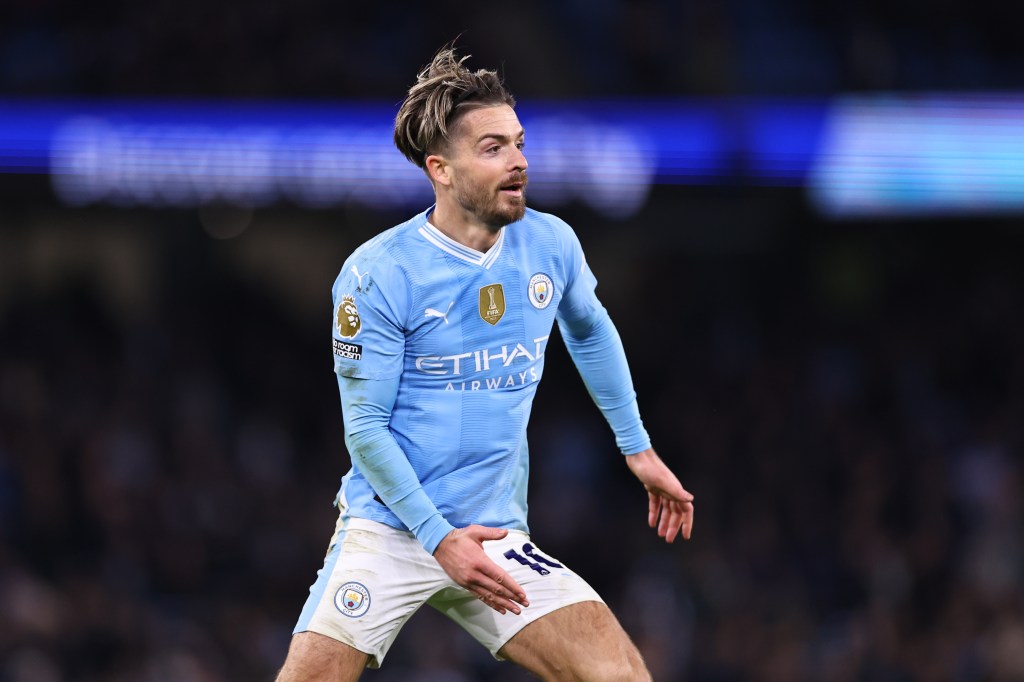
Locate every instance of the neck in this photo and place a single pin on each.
(463, 227)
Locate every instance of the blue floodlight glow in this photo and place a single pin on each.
(887, 156)
(857, 156)
(605, 154)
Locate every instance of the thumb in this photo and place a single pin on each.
(486, 533)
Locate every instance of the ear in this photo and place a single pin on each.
(438, 169)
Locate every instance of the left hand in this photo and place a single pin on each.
(670, 507)
(461, 555)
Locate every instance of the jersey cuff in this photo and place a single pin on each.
(630, 434)
(433, 531)
(417, 511)
(633, 451)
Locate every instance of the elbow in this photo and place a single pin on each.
(584, 327)
(363, 439)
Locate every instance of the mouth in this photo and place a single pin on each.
(513, 189)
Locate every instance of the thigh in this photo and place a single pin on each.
(313, 657)
(373, 580)
(582, 641)
(548, 583)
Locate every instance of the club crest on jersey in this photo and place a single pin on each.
(347, 321)
(492, 303)
(540, 290)
(352, 599)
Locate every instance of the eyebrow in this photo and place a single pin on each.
(499, 137)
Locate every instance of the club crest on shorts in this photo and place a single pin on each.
(352, 599)
(492, 303)
(347, 320)
(540, 290)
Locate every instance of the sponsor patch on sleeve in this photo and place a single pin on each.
(347, 319)
(349, 351)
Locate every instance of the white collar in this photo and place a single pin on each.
(461, 251)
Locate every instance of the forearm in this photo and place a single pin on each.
(366, 406)
(597, 351)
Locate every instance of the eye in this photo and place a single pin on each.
(493, 149)
(520, 145)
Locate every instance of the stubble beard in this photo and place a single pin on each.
(490, 206)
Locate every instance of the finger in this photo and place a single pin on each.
(495, 596)
(489, 599)
(653, 504)
(492, 578)
(505, 586)
(665, 519)
(671, 519)
(484, 533)
(688, 520)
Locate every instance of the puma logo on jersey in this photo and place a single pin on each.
(355, 271)
(430, 312)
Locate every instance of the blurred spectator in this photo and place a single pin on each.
(308, 48)
(844, 403)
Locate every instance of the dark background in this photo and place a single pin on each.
(843, 398)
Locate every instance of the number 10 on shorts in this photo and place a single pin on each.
(537, 559)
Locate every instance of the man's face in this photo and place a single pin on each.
(489, 169)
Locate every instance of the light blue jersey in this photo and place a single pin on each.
(465, 334)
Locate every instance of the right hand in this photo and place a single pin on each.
(461, 555)
(670, 506)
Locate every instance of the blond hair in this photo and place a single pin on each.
(444, 90)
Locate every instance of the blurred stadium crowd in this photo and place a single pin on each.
(309, 48)
(844, 401)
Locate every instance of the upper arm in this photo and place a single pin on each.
(579, 303)
(367, 403)
(370, 312)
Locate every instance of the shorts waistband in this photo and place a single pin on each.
(359, 523)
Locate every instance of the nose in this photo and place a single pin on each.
(518, 161)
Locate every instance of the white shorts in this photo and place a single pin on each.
(375, 577)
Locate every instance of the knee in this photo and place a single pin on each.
(627, 669)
